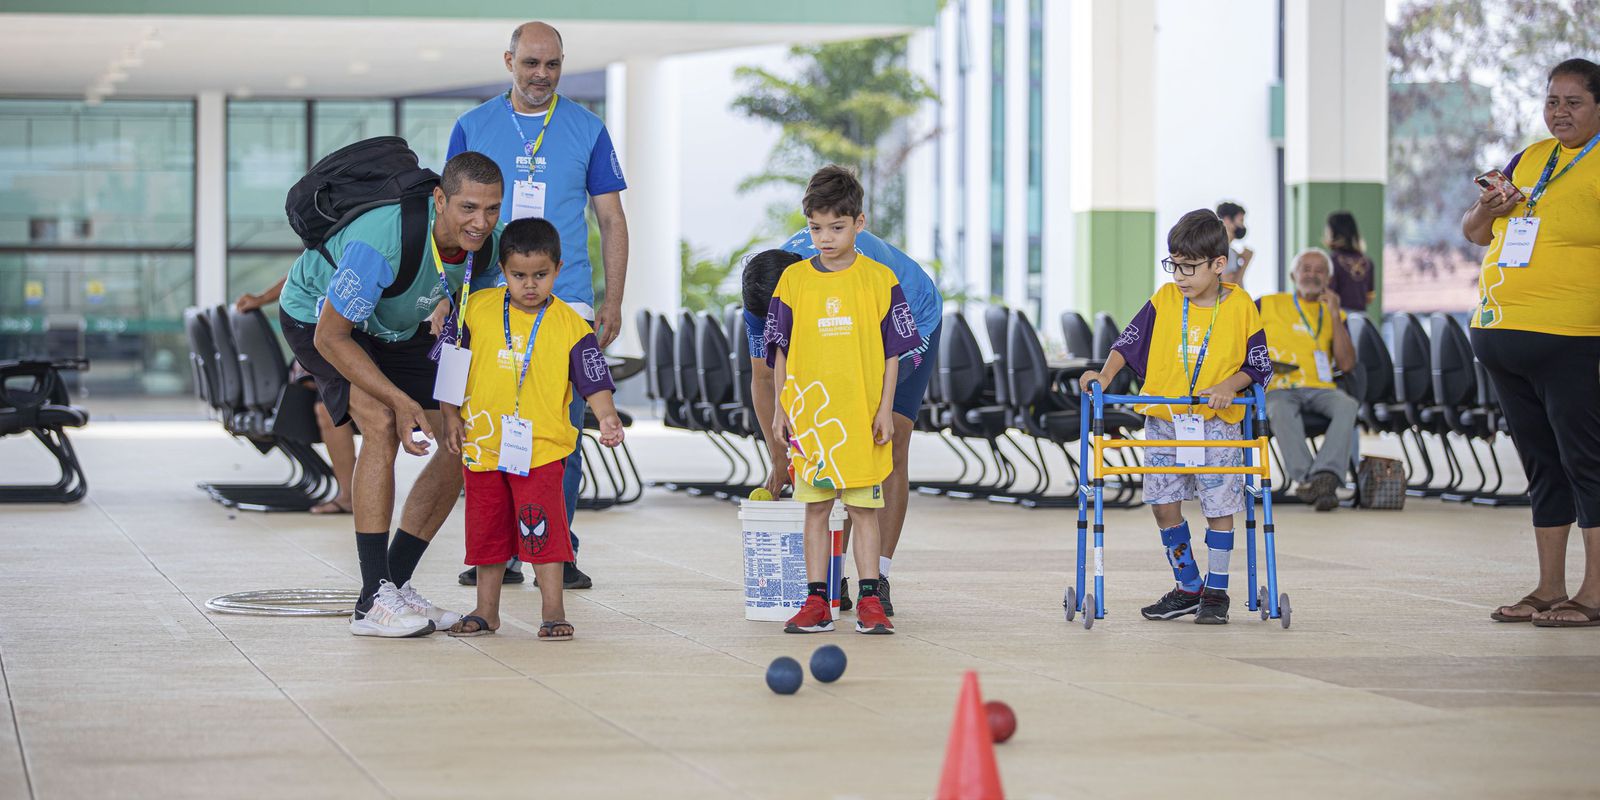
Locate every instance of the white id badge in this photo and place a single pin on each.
(516, 444)
(1517, 250)
(527, 199)
(450, 383)
(1324, 366)
(1190, 428)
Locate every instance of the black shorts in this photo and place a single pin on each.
(405, 364)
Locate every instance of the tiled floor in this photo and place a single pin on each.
(1392, 681)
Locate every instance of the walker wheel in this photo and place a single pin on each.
(1261, 603)
(1070, 602)
(1089, 609)
(1283, 608)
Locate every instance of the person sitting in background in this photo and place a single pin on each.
(1308, 340)
(1232, 216)
(1353, 276)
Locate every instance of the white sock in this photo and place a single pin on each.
(883, 566)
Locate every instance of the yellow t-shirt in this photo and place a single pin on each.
(565, 354)
(1291, 342)
(837, 329)
(1152, 344)
(1559, 291)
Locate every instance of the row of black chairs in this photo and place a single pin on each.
(34, 400)
(242, 376)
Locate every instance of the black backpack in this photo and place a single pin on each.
(355, 179)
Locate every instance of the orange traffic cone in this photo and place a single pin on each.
(969, 769)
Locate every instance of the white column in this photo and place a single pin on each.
(920, 208)
(975, 30)
(951, 203)
(1059, 226)
(1016, 155)
(650, 154)
(211, 199)
(1336, 83)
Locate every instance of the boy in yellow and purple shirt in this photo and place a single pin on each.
(1196, 333)
(836, 327)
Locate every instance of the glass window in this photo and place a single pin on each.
(426, 125)
(1036, 157)
(341, 122)
(997, 152)
(266, 155)
(120, 173)
(123, 310)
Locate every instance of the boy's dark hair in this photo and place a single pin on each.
(1581, 68)
(469, 166)
(834, 189)
(1198, 234)
(761, 274)
(1228, 209)
(1342, 231)
(528, 236)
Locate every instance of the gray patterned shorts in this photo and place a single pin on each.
(1220, 495)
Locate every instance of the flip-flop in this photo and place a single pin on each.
(330, 507)
(548, 627)
(481, 627)
(1591, 617)
(1530, 601)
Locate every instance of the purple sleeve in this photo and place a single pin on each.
(899, 326)
(587, 367)
(605, 170)
(780, 323)
(1134, 343)
(1257, 360)
(1511, 166)
(458, 142)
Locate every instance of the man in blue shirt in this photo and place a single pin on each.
(916, 368)
(557, 157)
(370, 356)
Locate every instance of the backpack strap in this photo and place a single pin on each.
(413, 237)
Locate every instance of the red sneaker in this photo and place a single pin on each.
(870, 617)
(814, 617)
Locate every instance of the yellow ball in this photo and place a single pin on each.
(760, 493)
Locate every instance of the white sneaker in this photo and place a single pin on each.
(442, 619)
(390, 617)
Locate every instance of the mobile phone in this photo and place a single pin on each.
(1494, 179)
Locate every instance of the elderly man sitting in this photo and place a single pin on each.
(1308, 339)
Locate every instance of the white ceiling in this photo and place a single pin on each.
(66, 55)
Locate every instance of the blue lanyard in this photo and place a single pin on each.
(1194, 377)
(1321, 310)
(505, 316)
(531, 147)
(1545, 178)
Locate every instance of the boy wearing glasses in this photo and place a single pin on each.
(1196, 337)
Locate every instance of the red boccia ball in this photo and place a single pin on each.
(1002, 720)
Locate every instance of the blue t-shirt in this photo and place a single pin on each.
(927, 305)
(575, 161)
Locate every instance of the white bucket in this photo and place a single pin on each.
(775, 558)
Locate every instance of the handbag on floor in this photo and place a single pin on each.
(1381, 483)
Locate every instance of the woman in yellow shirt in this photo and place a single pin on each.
(1537, 330)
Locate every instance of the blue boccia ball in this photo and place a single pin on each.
(827, 663)
(784, 675)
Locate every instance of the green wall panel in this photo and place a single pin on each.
(1116, 261)
(1308, 207)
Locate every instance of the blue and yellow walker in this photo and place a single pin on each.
(1093, 445)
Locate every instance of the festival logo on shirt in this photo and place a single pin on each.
(833, 322)
(537, 162)
(594, 364)
(905, 325)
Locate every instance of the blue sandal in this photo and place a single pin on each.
(480, 627)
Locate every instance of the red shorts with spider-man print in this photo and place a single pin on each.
(516, 515)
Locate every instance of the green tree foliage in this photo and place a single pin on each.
(709, 283)
(841, 106)
(1468, 82)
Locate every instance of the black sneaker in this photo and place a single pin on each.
(845, 603)
(1213, 608)
(883, 597)
(1173, 604)
(469, 576)
(1326, 487)
(572, 577)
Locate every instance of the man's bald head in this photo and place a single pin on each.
(534, 61)
(534, 29)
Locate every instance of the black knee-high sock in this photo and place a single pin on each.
(372, 549)
(404, 553)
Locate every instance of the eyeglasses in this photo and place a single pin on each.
(1186, 270)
